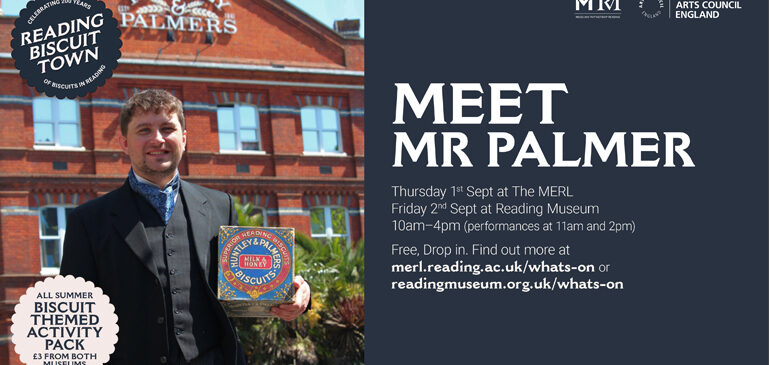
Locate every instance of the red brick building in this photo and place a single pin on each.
(273, 102)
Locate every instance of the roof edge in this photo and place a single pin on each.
(229, 66)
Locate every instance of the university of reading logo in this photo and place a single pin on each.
(192, 16)
(651, 9)
(597, 9)
(255, 262)
(65, 48)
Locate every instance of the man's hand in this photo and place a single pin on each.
(289, 312)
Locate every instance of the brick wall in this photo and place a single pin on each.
(282, 179)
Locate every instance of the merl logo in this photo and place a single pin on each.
(192, 16)
(600, 5)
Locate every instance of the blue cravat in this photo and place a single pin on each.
(163, 200)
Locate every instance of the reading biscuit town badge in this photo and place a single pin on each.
(65, 48)
(256, 269)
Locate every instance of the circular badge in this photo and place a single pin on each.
(66, 48)
(64, 320)
(255, 264)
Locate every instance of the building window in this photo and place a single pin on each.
(321, 129)
(255, 216)
(250, 214)
(57, 122)
(329, 224)
(53, 221)
(238, 128)
(260, 216)
(12, 7)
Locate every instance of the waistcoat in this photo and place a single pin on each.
(190, 319)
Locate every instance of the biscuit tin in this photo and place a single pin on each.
(256, 269)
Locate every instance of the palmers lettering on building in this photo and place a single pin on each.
(273, 101)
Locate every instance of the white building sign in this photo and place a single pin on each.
(192, 16)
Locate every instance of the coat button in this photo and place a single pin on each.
(161, 320)
(172, 272)
(178, 331)
(163, 359)
(170, 252)
(177, 311)
(175, 291)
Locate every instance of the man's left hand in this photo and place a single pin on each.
(289, 312)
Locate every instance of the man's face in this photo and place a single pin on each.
(154, 142)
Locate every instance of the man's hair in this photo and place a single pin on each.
(150, 100)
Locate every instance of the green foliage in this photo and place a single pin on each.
(332, 331)
(334, 269)
(273, 341)
(248, 215)
(345, 328)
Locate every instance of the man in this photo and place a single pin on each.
(151, 245)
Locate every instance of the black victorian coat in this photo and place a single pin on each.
(105, 243)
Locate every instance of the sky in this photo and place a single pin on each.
(327, 11)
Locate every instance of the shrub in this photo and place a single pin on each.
(332, 331)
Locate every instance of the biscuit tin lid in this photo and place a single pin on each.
(256, 261)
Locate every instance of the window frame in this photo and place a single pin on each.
(56, 122)
(261, 210)
(237, 129)
(319, 129)
(328, 226)
(61, 220)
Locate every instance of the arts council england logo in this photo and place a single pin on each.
(651, 9)
(66, 48)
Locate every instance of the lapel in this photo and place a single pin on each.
(198, 215)
(125, 218)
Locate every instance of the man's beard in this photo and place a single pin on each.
(150, 174)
